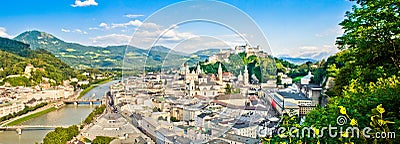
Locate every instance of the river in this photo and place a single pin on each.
(67, 115)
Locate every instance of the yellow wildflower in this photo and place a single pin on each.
(353, 122)
(316, 131)
(282, 136)
(381, 122)
(342, 110)
(380, 109)
(345, 134)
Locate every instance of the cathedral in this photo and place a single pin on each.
(199, 83)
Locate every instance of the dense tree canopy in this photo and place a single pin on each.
(263, 68)
(61, 135)
(102, 140)
(372, 32)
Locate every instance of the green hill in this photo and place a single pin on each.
(14, 47)
(80, 56)
(15, 56)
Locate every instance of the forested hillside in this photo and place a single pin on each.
(15, 56)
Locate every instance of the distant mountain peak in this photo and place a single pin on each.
(38, 34)
(38, 39)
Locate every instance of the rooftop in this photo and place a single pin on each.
(241, 139)
(294, 95)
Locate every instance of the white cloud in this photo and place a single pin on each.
(133, 15)
(65, 30)
(93, 28)
(148, 33)
(135, 23)
(308, 48)
(79, 3)
(111, 39)
(3, 33)
(331, 32)
(314, 52)
(79, 31)
(202, 42)
(103, 25)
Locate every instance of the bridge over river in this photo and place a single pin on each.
(84, 101)
(19, 128)
(31, 127)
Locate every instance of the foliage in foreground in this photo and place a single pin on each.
(102, 140)
(375, 105)
(61, 135)
(371, 35)
(97, 111)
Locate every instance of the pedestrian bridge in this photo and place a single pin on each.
(31, 127)
(83, 101)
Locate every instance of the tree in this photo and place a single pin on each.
(356, 104)
(371, 34)
(372, 30)
(308, 63)
(228, 89)
(174, 119)
(81, 77)
(102, 140)
(156, 109)
(279, 80)
(36, 76)
(161, 118)
(61, 135)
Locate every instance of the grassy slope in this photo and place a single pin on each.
(21, 120)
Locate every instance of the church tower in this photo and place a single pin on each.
(220, 73)
(240, 76)
(187, 71)
(246, 76)
(198, 71)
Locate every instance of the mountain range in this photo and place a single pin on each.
(298, 61)
(81, 56)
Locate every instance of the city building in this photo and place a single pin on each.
(245, 129)
(10, 108)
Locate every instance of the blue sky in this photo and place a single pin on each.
(297, 28)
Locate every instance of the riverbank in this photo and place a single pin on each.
(67, 134)
(27, 115)
(30, 115)
(34, 115)
(93, 85)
